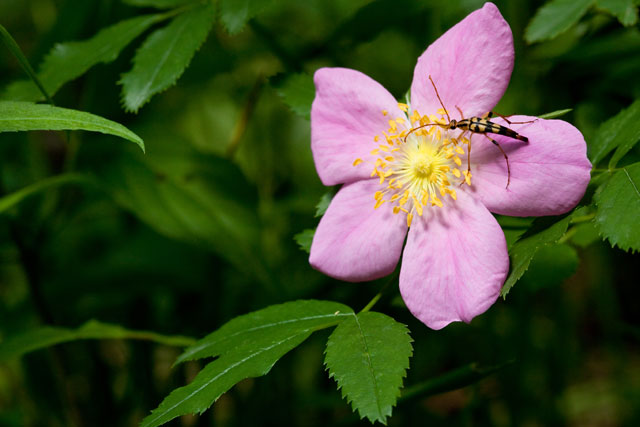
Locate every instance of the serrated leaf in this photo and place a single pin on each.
(323, 203)
(554, 18)
(10, 200)
(624, 10)
(68, 61)
(618, 203)
(236, 13)
(621, 132)
(247, 346)
(556, 114)
(368, 356)
(158, 4)
(298, 91)
(523, 251)
(164, 56)
(47, 336)
(24, 116)
(304, 239)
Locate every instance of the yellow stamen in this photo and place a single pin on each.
(356, 162)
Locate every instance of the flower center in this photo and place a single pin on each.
(417, 167)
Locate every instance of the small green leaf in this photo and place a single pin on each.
(323, 203)
(47, 336)
(304, 239)
(163, 57)
(621, 131)
(554, 18)
(368, 355)
(10, 200)
(236, 13)
(556, 114)
(298, 92)
(618, 203)
(523, 251)
(68, 61)
(23, 116)
(624, 10)
(158, 4)
(247, 346)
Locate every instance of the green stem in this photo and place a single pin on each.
(17, 52)
(377, 297)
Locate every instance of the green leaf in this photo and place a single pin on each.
(47, 336)
(618, 203)
(298, 92)
(163, 57)
(247, 346)
(554, 18)
(323, 203)
(368, 355)
(10, 200)
(158, 4)
(23, 116)
(523, 251)
(624, 10)
(68, 61)
(621, 131)
(551, 266)
(304, 239)
(236, 13)
(556, 114)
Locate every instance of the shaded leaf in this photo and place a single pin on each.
(554, 18)
(247, 346)
(159, 4)
(68, 61)
(621, 131)
(24, 116)
(523, 251)
(556, 114)
(10, 200)
(618, 203)
(298, 92)
(551, 266)
(47, 336)
(624, 10)
(304, 239)
(236, 13)
(163, 57)
(368, 356)
(323, 203)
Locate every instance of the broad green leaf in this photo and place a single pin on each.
(10, 200)
(618, 203)
(621, 131)
(163, 57)
(23, 116)
(236, 13)
(323, 203)
(624, 10)
(68, 61)
(47, 336)
(304, 239)
(556, 114)
(247, 346)
(159, 4)
(368, 355)
(523, 251)
(453, 380)
(554, 18)
(298, 92)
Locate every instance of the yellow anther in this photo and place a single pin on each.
(396, 210)
(356, 162)
(446, 141)
(395, 197)
(436, 202)
(459, 150)
(379, 203)
(378, 194)
(457, 160)
(467, 177)
(385, 112)
(375, 152)
(389, 159)
(456, 172)
(374, 172)
(409, 219)
(425, 198)
(453, 194)
(403, 107)
(442, 191)
(415, 116)
(441, 121)
(424, 120)
(383, 148)
(393, 126)
(400, 120)
(441, 111)
(376, 138)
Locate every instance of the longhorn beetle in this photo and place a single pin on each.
(481, 125)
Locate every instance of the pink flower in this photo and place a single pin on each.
(455, 258)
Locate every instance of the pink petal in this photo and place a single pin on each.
(549, 174)
(355, 242)
(454, 263)
(470, 65)
(346, 114)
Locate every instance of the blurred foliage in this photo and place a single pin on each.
(200, 229)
